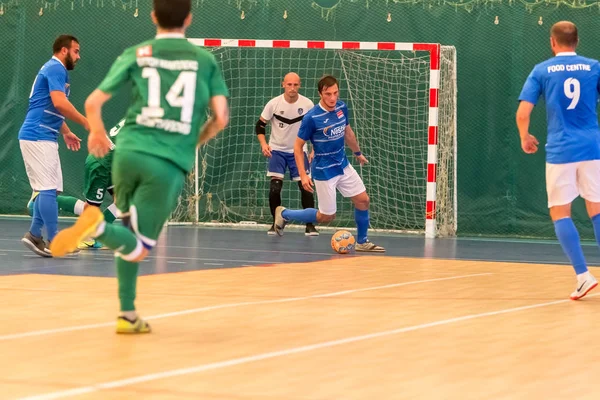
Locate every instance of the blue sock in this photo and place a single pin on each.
(567, 235)
(362, 224)
(308, 215)
(596, 223)
(48, 208)
(36, 223)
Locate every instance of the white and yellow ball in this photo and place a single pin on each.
(342, 242)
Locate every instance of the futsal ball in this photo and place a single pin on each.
(342, 242)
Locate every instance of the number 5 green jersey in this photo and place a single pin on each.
(173, 82)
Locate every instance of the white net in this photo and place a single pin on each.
(387, 93)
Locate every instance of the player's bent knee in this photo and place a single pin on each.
(361, 201)
(137, 254)
(142, 256)
(325, 217)
(560, 212)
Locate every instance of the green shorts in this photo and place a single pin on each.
(146, 190)
(97, 181)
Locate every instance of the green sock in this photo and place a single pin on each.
(118, 237)
(67, 203)
(110, 214)
(127, 277)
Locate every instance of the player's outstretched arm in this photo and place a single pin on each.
(352, 142)
(217, 122)
(98, 143)
(528, 142)
(68, 110)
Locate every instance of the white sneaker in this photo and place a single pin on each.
(584, 287)
(369, 247)
(280, 222)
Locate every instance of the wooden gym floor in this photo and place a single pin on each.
(240, 315)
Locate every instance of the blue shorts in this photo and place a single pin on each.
(280, 161)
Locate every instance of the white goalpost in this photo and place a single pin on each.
(402, 102)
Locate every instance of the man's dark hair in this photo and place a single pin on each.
(326, 82)
(63, 41)
(171, 14)
(565, 34)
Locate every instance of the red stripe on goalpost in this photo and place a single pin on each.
(433, 97)
(432, 135)
(247, 43)
(431, 173)
(315, 45)
(430, 212)
(350, 45)
(386, 46)
(212, 42)
(281, 43)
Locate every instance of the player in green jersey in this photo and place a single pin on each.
(97, 182)
(174, 84)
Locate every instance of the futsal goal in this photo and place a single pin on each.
(402, 103)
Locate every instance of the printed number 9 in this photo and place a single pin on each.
(572, 91)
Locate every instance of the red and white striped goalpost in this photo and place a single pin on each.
(434, 84)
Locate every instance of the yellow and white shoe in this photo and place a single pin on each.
(138, 326)
(67, 240)
(86, 244)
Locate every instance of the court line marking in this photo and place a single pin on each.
(232, 305)
(274, 354)
(75, 257)
(332, 256)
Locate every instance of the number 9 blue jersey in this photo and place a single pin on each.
(569, 85)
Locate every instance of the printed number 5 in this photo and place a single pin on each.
(572, 91)
(100, 194)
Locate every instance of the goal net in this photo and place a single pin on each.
(402, 102)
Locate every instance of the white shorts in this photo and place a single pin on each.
(42, 164)
(564, 182)
(348, 184)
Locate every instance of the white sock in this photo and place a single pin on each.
(79, 207)
(114, 210)
(583, 277)
(130, 315)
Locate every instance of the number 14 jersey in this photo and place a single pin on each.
(172, 84)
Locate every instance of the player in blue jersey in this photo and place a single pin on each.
(327, 126)
(38, 138)
(570, 85)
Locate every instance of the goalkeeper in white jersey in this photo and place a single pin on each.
(285, 113)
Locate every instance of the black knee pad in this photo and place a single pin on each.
(275, 194)
(275, 187)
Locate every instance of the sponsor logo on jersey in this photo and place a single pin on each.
(300, 110)
(334, 132)
(145, 51)
(340, 114)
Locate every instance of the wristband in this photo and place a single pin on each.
(357, 153)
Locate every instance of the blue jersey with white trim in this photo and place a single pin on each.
(326, 131)
(43, 120)
(570, 85)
